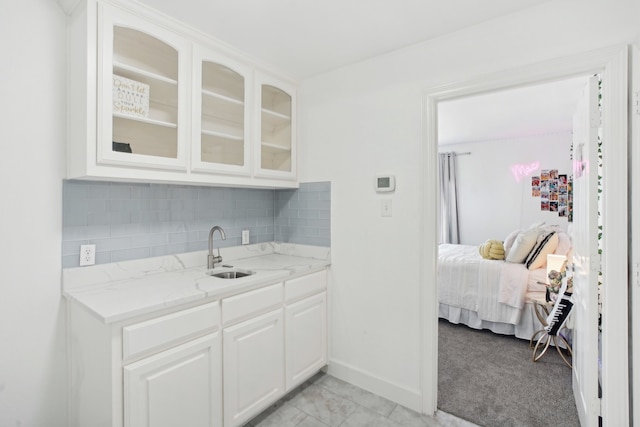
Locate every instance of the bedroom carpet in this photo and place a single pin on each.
(490, 380)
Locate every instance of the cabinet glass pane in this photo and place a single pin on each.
(276, 129)
(222, 134)
(145, 94)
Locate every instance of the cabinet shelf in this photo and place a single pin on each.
(145, 137)
(275, 114)
(120, 66)
(274, 147)
(146, 54)
(222, 111)
(223, 135)
(222, 80)
(146, 120)
(273, 122)
(223, 98)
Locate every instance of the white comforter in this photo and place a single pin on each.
(494, 289)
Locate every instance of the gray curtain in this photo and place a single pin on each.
(448, 212)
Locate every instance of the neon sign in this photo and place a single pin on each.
(519, 171)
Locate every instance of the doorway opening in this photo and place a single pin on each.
(504, 142)
(611, 63)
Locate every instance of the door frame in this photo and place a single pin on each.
(611, 63)
(634, 160)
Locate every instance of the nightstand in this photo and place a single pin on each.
(542, 338)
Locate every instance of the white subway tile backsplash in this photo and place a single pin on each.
(129, 221)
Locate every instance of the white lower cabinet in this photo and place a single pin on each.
(153, 371)
(180, 386)
(211, 365)
(253, 353)
(274, 338)
(306, 338)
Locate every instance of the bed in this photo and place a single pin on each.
(495, 294)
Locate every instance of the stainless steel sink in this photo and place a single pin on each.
(230, 274)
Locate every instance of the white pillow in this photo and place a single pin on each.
(564, 244)
(537, 225)
(522, 246)
(508, 241)
(549, 228)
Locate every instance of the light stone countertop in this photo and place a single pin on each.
(119, 291)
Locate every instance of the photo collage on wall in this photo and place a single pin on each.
(555, 192)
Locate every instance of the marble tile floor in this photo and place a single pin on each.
(327, 401)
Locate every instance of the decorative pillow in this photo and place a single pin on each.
(545, 245)
(537, 225)
(492, 249)
(508, 241)
(549, 228)
(564, 244)
(525, 241)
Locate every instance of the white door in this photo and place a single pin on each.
(178, 387)
(586, 260)
(253, 357)
(306, 338)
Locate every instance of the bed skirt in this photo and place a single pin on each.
(524, 329)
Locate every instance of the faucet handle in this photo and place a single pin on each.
(212, 260)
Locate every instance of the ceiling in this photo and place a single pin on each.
(307, 37)
(525, 111)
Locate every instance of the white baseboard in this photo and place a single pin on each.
(407, 397)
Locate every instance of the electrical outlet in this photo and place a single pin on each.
(245, 237)
(87, 255)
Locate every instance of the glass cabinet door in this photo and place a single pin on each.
(142, 94)
(277, 129)
(220, 115)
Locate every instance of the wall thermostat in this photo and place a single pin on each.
(385, 183)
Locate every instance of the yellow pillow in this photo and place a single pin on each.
(492, 249)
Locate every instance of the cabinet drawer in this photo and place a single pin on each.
(172, 328)
(240, 306)
(305, 285)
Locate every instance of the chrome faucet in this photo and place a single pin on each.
(211, 260)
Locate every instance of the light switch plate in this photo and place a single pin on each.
(385, 207)
(245, 237)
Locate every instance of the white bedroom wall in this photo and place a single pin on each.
(33, 385)
(497, 176)
(365, 119)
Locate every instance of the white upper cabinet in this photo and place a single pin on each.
(142, 93)
(153, 100)
(275, 125)
(221, 114)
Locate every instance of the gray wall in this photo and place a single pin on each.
(303, 216)
(129, 221)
